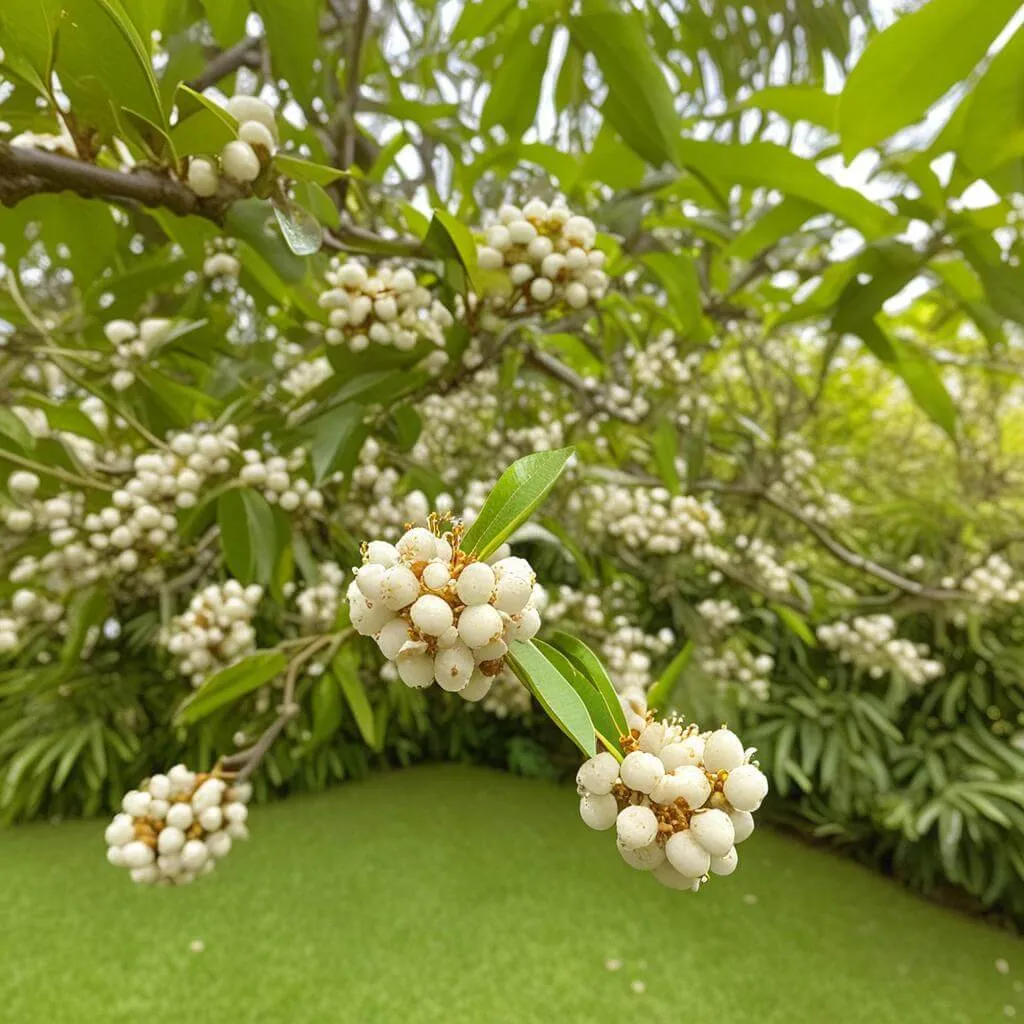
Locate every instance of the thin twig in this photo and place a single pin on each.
(353, 69)
(245, 53)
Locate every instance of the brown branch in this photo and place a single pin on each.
(353, 69)
(245, 53)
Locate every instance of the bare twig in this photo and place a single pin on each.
(353, 70)
(245, 53)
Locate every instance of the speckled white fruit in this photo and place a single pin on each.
(415, 665)
(672, 879)
(713, 830)
(417, 545)
(211, 819)
(687, 856)
(203, 177)
(743, 825)
(652, 739)
(525, 625)
(251, 108)
(399, 588)
(475, 584)
(694, 786)
(115, 856)
(180, 816)
(120, 831)
(684, 752)
(746, 787)
(453, 668)
(159, 787)
(239, 161)
(598, 774)
(513, 565)
(137, 854)
(170, 840)
(370, 580)
(512, 593)
(194, 855)
(723, 751)
(641, 771)
(479, 624)
(218, 844)
(391, 637)
(646, 858)
(478, 688)
(431, 614)
(381, 552)
(136, 803)
(258, 135)
(449, 638)
(636, 826)
(436, 575)
(236, 813)
(598, 811)
(726, 864)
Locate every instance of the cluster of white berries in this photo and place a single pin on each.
(547, 255)
(650, 518)
(318, 602)
(221, 264)
(993, 582)
(718, 616)
(215, 630)
(133, 345)
(305, 376)
(737, 671)
(275, 477)
(175, 827)
(870, 642)
(241, 160)
(761, 559)
(386, 307)
(680, 801)
(440, 615)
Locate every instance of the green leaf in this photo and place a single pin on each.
(12, 427)
(659, 696)
(678, 274)
(100, 55)
(248, 535)
(478, 18)
(794, 103)
(226, 19)
(639, 104)
(554, 693)
(231, 683)
(326, 712)
(912, 64)
(300, 228)
(293, 37)
(521, 488)
(88, 608)
(247, 220)
(795, 623)
(776, 223)
(306, 170)
(26, 39)
(345, 669)
(337, 437)
(765, 165)
(62, 416)
(595, 671)
(515, 86)
(604, 724)
(665, 445)
(449, 239)
(202, 126)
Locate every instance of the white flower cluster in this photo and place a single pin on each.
(318, 602)
(649, 518)
(439, 615)
(175, 827)
(275, 477)
(241, 160)
(870, 642)
(718, 616)
(133, 345)
(304, 377)
(547, 255)
(221, 265)
(215, 630)
(386, 307)
(680, 801)
(737, 671)
(994, 582)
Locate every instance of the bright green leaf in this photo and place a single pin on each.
(248, 535)
(231, 684)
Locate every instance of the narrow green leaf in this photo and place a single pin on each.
(293, 35)
(449, 239)
(301, 230)
(345, 669)
(795, 103)
(659, 696)
(665, 445)
(678, 274)
(521, 488)
(26, 38)
(601, 718)
(595, 671)
(554, 693)
(306, 170)
(776, 223)
(226, 19)
(478, 18)
(88, 608)
(912, 64)
(230, 684)
(11, 426)
(795, 623)
(337, 437)
(249, 536)
(202, 125)
(515, 86)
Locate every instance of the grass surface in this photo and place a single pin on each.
(453, 895)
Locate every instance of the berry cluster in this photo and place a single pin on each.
(175, 827)
(275, 477)
(870, 642)
(243, 159)
(318, 602)
(993, 582)
(133, 345)
(387, 307)
(216, 629)
(305, 376)
(680, 800)
(547, 255)
(439, 614)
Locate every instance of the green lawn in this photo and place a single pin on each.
(452, 895)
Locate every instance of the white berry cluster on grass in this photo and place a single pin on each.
(277, 478)
(547, 255)
(242, 159)
(215, 630)
(385, 306)
(439, 614)
(993, 582)
(133, 345)
(650, 518)
(869, 642)
(318, 602)
(680, 801)
(175, 827)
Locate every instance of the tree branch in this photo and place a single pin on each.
(245, 53)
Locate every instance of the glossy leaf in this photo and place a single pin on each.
(248, 535)
(595, 671)
(345, 669)
(231, 684)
